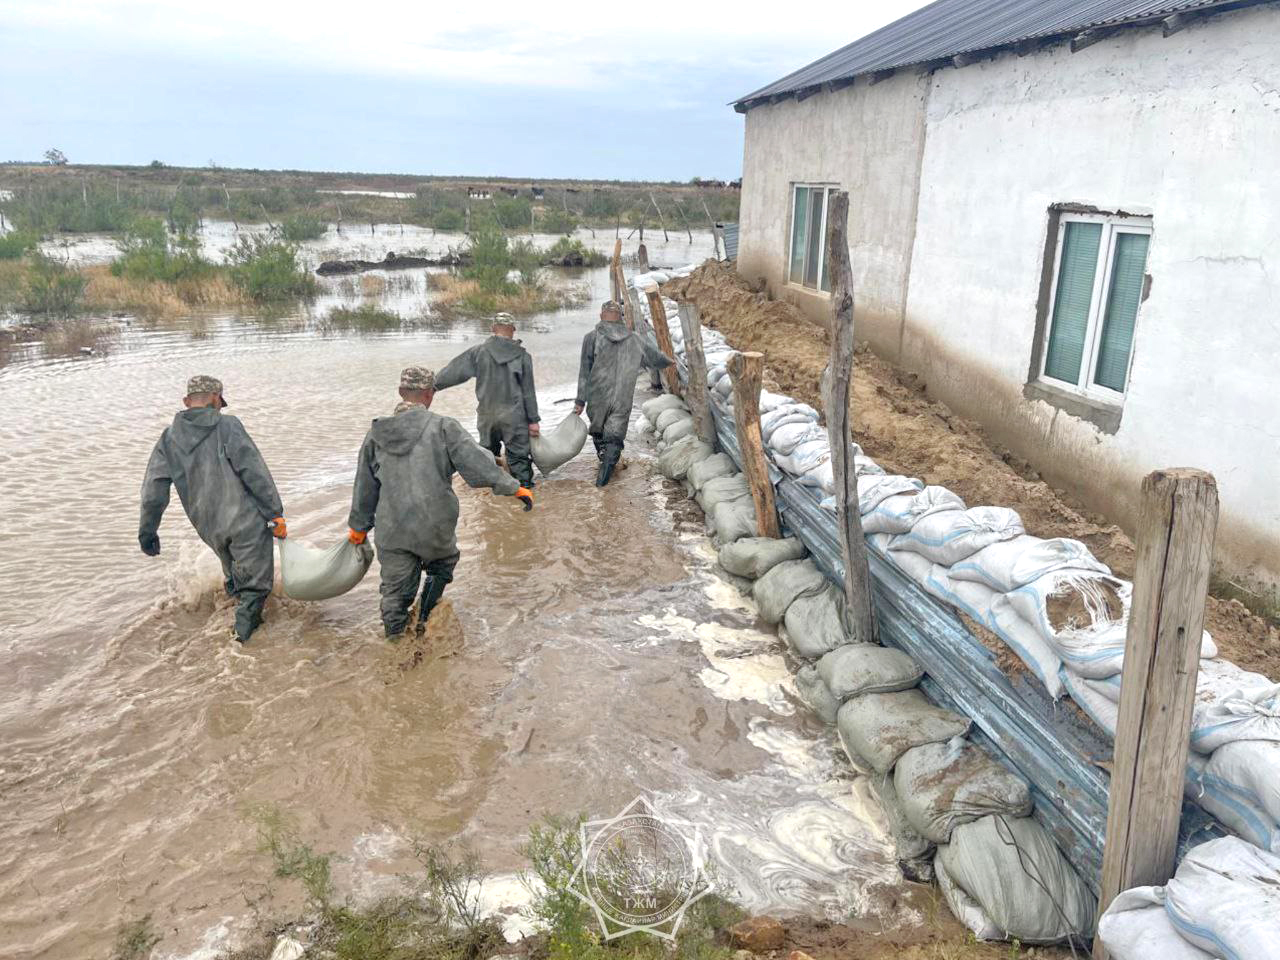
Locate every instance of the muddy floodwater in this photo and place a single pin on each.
(600, 656)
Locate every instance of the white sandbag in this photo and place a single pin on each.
(724, 386)
(952, 535)
(1231, 806)
(1014, 870)
(1233, 704)
(720, 490)
(771, 422)
(1136, 927)
(966, 909)
(808, 455)
(1098, 707)
(716, 465)
(858, 668)
(731, 520)
(776, 590)
(1225, 898)
(942, 785)
(310, 573)
(1251, 768)
(772, 401)
(881, 727)
(821, 477)
(908, 845)
(788, 436)
(753, 557)
(1008, 565)
(669, 416)
(559, 445)
(975, 599)
(915, 566)
(899, 513)
(1025, 640)
(667, 401)
(674, 462)
(678, 430)
(814, 622)
(815, 695)
(874, 488)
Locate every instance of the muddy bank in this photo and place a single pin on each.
(392, 261)
(907, 432)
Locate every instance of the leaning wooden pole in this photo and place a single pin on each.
(747, 372)
(661, 221)
(630, 303)
(687, 229)
(837, 382)
(696, 394)
(615, 270)
(662, 333)
(1176, 527)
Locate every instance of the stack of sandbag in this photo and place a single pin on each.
(1224, 901)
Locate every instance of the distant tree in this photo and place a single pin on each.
(157, 164)
(55, 157)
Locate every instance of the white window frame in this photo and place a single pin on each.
(791, 233)
(1111, 225)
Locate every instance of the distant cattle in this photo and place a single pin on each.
(509, 191)
(479, 193)
(538, 192)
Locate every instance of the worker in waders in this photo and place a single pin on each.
(226, 491)
(507, 406)
(611, 360)
(404, 490)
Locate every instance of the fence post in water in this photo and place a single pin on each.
(837, 385)
(1176, 527)
(746, 371)
(687, 229)
(661, 222)
(615, 270)
(642, 257)
(696, 395)
(662, 333)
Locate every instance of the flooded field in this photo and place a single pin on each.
(601, 655)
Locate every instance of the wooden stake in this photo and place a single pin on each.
(615, 270)
(661, 332)
(837, 382)
(1176, 527)
(687, 229)
(630, 303)
(661, 222)
(227, 193)
(642, 257)
(696, 394)
(747, 371)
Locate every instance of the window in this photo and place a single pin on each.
(808, 265)
(1097, 287)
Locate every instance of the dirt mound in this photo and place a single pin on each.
(907, 432)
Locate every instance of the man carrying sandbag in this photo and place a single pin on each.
(404, 488)
(226, 491)
(611, 360)
(507, 407)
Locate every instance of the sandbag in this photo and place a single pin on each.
(724, 489)
(908, 845)
(776, 590)
(815, 695)
(1025, 640)
(788, 436)
(1017, 874)
(1225, 898)
(677, 430)
(881, 727)
(952, 535)
(724, 386)
(1235, 809)
(1252, 768)
(858, 668)
(1232, 704)
(1137, 927)
(1011, 564)
(753, 557)
(784, 414)
(667, 401)
(898, 513)
(716, 465)
(814, 623)
(675, 461)
(966, 909)
(975, 599)
(559, 445)
(310, 573)
(1098, 707)
(669, 416)
(874, 488)
(807, 456)
(732, 520)
(942, 785)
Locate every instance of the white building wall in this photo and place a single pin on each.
(1186, 129)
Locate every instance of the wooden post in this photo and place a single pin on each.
(630, 304)
(642, 257)
(747, 370)
(615, 270)
(687, 229)
(662, 333)
(837, 383)
(696, 394)
(1176, 527)
(661, 222)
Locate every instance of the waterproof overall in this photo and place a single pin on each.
(228, 495)
(404, 493)
(505, 399)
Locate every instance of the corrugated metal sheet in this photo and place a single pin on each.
(729, 236)
(949, 27)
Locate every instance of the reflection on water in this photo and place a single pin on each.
(136, 738)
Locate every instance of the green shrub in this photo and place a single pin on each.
(267, 268)
(303, 226)
(557, 221)
(491, 262)
(72, 207)
(51, 289)
(16, 243)
(148, 252)
(528, 260)
(573, 248)
(365, 317)
(448, 220)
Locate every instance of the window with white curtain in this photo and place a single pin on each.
(808, 256)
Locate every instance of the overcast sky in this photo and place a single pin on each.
(604, 90)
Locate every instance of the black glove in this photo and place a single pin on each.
(150, 544)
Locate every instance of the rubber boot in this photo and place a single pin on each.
(599, 444)
(608, 460)
(432, 591)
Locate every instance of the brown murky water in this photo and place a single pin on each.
(602, 657)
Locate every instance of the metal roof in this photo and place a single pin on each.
(947, 29)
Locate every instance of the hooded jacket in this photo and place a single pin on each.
(611, 360)
(503, 371)
(221, 478)
(404, 481)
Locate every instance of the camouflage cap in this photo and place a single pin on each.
(205, 384)
(504, 318)
(417, 378)
(611, 306)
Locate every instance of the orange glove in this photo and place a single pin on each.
(525, 496)
(357, 536)
(278, 528)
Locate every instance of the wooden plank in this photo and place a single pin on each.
(658, 315)
(837, 388)
(1176, 527)
(696, 362)
(747, 372)
(630, 304)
